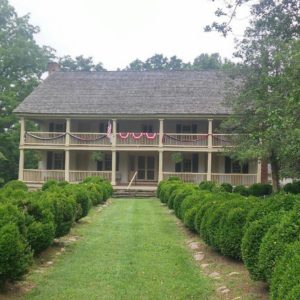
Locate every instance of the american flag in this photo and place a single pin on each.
(109, 131)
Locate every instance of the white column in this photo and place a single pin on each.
(67, 165)
(160, 165)
(210, 131)
(113, 167)
(209, 160)
(21, 164)
(114, 132)
(22, 131)
(258, 178)
(161, 132)
(68, 130)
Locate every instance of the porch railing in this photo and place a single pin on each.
(141, 139)
(234, 179)
(88, 138)
(222, 140)
(182, 139)
(39, 176)
(77, 176)
(186, 177)
(45, 138)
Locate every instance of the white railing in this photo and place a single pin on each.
(234, 179)
(182, 139)
(186, 177)
(77, 176)
(30, 175)
(222, 140)
(143, 140)
(88, 138)
(45, 138)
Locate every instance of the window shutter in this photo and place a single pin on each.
(194, 128)
(245, 168)
(49, 160)
(64, 160)
(227, 164)
(178, 167)
(117, 161)
(195, 162)
(178, 128)
(51, 127)
(101, 128)
(100, 165)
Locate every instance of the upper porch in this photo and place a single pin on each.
(139, 133)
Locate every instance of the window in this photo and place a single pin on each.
(57, 127)
(188, 129)
(55, 160)
(147, 128)
(105, 164)
(232, 166)
(188, 164)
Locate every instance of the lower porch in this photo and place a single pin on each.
(138, 169)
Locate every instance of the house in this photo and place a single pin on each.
(130, 127)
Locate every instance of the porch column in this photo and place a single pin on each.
(210, 132)
(113, 167)
(68, 130)
(21, 164)
(160, 165)
(67, 165)
(258, 175)
(22, 131)
(114, 132)
(161, 132)
(209, 159)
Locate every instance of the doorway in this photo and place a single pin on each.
(144, 165)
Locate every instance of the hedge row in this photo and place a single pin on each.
(263, 232)
(29, 221)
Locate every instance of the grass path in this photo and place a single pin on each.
(133, 249)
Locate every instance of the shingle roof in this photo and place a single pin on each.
(129, 93)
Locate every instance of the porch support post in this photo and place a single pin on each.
(161, 132)
(114, 132)
(209, 159)
(22, 131)
(210, 132)
(160, 165)
(258, 177)
(68, 130)
(113, 167)
(67, 165)
(21, 165)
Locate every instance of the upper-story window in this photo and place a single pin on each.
(147, 128)
(57, 127)
(189, 128)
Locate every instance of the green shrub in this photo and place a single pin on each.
(207, 185)
(182, 192)
(15, 256)
(204, 205)
(227, 187)
(293, 187)
(294, 293)
(260, 189)
(252, 240)
(188, 202)
(40, 235)
(286, 276)
(49, 184)
(241, 189)
(16, 185)
(173, 194)
(189, 217)
(276, 240)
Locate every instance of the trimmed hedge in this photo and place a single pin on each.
(257, 229)
(293, 187)
(29, 221)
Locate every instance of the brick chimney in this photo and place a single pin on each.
(53, 67)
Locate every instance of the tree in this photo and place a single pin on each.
(266, 107)
(80, 63)
(22, 62)
(207, 62)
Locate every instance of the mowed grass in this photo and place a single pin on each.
(133, 249)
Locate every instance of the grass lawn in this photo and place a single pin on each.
(132, 249)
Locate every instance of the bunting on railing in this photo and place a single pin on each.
(200, 138)
(45, 138)
(88, 140)
(137, 136)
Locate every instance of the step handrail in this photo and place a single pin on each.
(130, 183)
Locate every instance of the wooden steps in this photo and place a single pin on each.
(133, 193)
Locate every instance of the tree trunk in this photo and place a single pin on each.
(275, 173)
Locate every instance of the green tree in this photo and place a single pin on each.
(22, 63)
(80, 63)
(207, 62)
(266, 106)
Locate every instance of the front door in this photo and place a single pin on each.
(144, 165)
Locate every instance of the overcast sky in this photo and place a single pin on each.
(115, 32)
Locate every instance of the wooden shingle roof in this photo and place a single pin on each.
(129, 93)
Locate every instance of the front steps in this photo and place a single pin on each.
(133, 193)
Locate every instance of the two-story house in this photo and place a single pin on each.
(138, 127)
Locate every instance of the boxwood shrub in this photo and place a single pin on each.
(293, 187)
(260, 189)
(241, 189)
(286, 278)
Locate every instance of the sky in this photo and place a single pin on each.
(116, 32)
